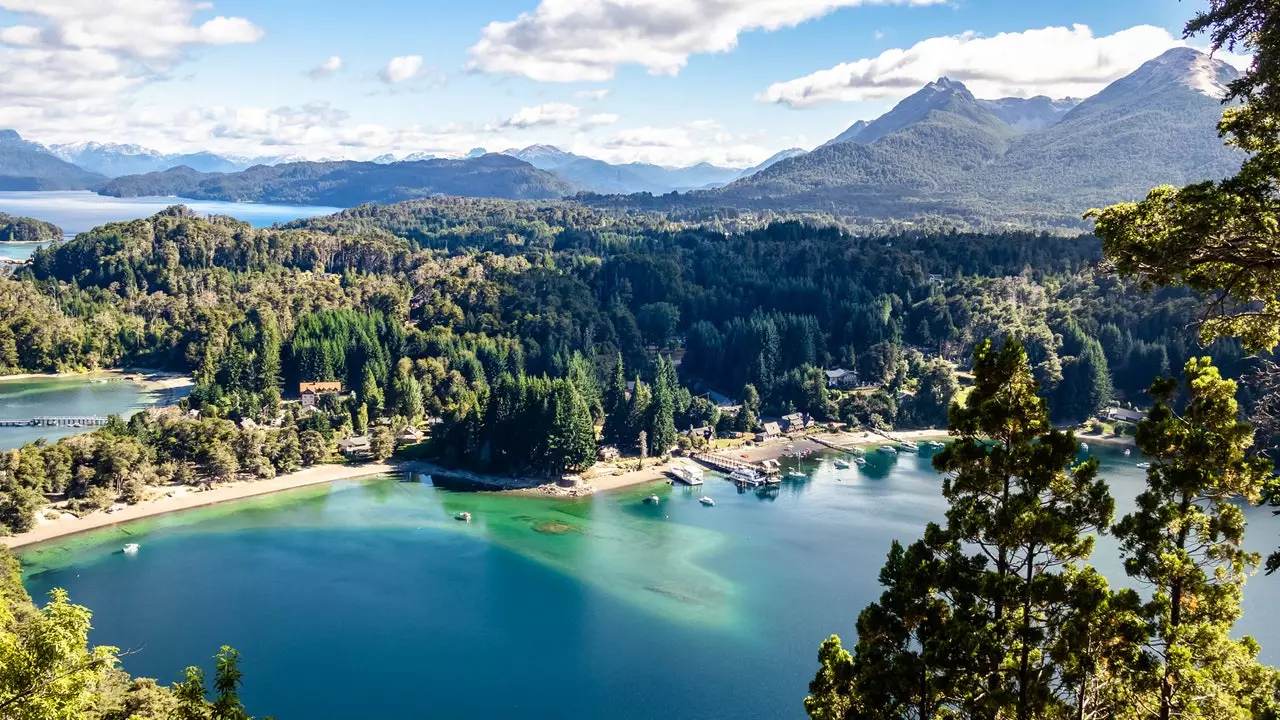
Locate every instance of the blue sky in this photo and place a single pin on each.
(669, 81)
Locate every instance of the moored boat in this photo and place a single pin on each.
(888, 449)
(860, 461)
(131, 548)
(463, 517)
(652, 500)
(842, 465)
(707, 501)
(688, 474)
(1144, 465)
(746, 476)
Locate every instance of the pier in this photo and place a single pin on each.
(60, 421)
(836, 446)
(767, 473)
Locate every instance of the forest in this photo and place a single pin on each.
(483, 315)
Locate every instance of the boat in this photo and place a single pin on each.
(707, 501)
(796, 475)
(1127, 452)
(907, 448)
(888, 449)
(688, 474)
(1144, 465)
(746, 476)
(653, 500)
(1084, 446)
(937, 445)
(463, 517)
(131, 548)
(860, 461)
(842, 465)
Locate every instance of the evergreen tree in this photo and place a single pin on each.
(749, 416)
(407, 392)
(226, 686)
(267, 361)
(1185, 541)
(638, 412)
(370, 395)
(661, 425)
(617, 431)
(571, 438)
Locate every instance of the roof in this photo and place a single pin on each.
(325, 386)
(1126, 414)
(793, 417)
(837, 373)
(353, 442)
(771, 428)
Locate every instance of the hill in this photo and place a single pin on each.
(346, 184)
(25, 229)
(29, 166)
(941, 151)
(602, 177)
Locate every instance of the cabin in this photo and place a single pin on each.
(770, 431)
(410, 435)
(795, 422)
(605, 453)
(841, 378)
(356, 446)
(1125, 414)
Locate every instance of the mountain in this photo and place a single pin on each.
(348, 183)
(773, 160)
(925, 145)
(29, 166)
(941, 151)
(944, 95)
(1031, 114)
(601, 177)
(116, 160)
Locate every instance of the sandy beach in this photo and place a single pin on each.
(185, 498)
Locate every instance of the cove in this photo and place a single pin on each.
(95, 394)
(367, 599)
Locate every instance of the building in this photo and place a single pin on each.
(795, 422)
(841, 378)
(770, 431)
(605, 453)
(310, 392)
(1118, 413)
(356, 446)
(705, 432)
(410, 435)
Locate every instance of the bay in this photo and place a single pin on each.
(19, 251)
(95, 394)
(80, 210)
(367, 599)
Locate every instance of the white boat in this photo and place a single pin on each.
(463, 517)
(653, 500)
(842, 465)
(937, 445)
(707, 501)
(746, 476)
(1127, 451)
(1144, 465)
(131, 548)
(907, 448)
(888, 449)
(860, 461)
(688, 474)
(796, 475)
(1084, 446)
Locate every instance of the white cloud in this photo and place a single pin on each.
(401, 69)
(588, 40)
(673, 145)
(594, 95)
(600, 119)
(548, 114)
(328, 68)
(1053, 61)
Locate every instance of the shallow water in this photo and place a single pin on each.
(19, 251)
(367, 599)
(96, 395)
(80, 210)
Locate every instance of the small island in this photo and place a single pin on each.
(26, 229)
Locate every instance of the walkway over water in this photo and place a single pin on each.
(83, 421)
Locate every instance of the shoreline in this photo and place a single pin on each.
(147, 379)
(186, 498)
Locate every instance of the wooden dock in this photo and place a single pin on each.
(727, 465)
(837, 446)
(61, 421)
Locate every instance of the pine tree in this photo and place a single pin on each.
(407, 392)
(749, 416)
(638, 411)
(616, 429)
(1185, 541)
(370, 395)
(661, 425)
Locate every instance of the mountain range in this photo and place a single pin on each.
(349, 183)
(942, 151)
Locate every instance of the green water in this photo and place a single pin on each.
(368, 599)
(97, 395)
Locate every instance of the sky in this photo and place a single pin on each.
(674, 82)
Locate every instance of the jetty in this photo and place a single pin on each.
(58, 421)
(836, 446)
(768, 472)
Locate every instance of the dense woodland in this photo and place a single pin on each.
(25, 229)
(491, 315)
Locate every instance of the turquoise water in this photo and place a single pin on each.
(367, 599)
(77, 211)
(84, 395)
(19, 250)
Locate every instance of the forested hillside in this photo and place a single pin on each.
(346, 183)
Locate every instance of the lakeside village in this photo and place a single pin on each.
(760, 457)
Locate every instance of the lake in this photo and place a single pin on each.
(77, 211)
(98, 394)
(367, 599)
